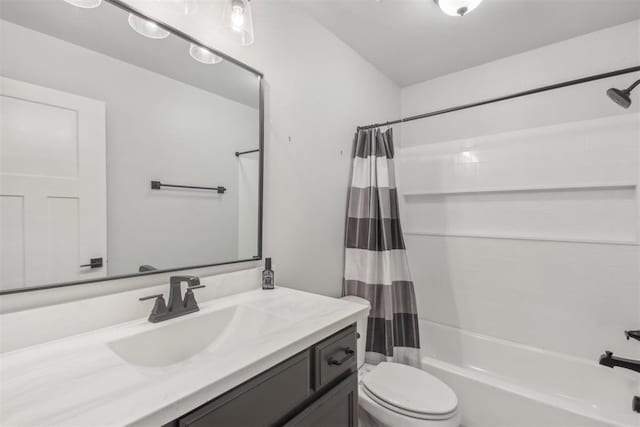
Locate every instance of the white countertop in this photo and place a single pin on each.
(80, 381)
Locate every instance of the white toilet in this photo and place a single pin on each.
(395, 395)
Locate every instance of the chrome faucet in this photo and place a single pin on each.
(178, 305)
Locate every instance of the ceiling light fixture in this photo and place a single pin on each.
(457, 7)
(147, 27)
(204, 55)
(237, 16)
(85, 4)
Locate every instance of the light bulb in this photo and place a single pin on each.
(190, 7)
(237, 17)
(85, 4)
(147, 27)
(204, 55)
(457, 7)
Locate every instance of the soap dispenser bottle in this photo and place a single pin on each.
(267, 275)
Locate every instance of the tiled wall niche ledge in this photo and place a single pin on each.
(593, 213)
(522, 237)
(592, 153)
(607, 186)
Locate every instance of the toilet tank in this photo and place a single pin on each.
(361, 326)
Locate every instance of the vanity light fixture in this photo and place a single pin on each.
(147, 27)
(237, 16)
(190, 7)
(85, 4)
(457, 7)
(204, 55)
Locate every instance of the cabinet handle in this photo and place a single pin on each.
(348, 354)
(94, 263)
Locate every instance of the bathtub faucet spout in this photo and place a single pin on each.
(632, 334)
(608, 359)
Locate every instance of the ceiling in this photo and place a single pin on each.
(412, 41)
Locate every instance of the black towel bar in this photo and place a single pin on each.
(156, 185)
(239, 153)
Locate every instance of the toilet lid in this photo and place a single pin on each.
(409, 390)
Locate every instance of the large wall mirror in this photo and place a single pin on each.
(126, 147)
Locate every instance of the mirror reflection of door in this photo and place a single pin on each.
(75, 184)
(52, 186)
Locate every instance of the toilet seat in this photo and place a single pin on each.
(410, 392)
(414, 415)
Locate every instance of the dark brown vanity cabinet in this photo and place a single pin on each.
(317, 387)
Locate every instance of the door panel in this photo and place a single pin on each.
(52, 157)
(63, 243)
(48, 149)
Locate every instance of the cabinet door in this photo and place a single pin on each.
(337, 408)
(260, 402)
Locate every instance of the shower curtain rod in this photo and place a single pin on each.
(506, 97)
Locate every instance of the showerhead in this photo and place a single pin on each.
(622, 97)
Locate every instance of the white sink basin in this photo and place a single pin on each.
(179, 339)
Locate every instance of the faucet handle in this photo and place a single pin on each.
(190, 299)
(159, 308)
(150, 297)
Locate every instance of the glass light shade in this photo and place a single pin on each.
(457, 7)
(147, 27)
(237, 18)
(190, 7)
(85, 4)
(204, 55)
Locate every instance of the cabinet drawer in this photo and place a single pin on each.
(262, 401)
(337, 408)
(334, 357)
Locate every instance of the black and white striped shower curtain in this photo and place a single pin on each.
(376, 266)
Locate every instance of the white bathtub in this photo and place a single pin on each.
(501, 383)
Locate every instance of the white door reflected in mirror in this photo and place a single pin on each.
(53, 186)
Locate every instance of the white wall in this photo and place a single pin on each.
(317, 91)
(157, 129)
(522, 218)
